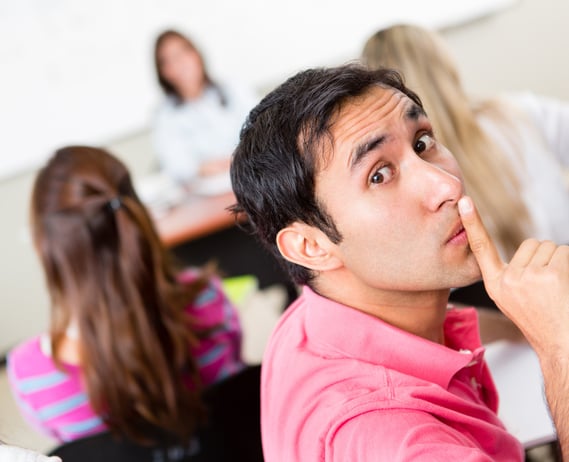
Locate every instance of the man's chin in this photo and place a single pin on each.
(469, 279)
(469, 275)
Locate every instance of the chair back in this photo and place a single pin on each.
(233, 431)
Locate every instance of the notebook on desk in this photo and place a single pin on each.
(159, 192)
(212, 185)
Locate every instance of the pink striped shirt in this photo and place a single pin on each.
(56, 402)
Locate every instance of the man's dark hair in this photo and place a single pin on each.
(281, 147)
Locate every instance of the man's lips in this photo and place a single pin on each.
(457, 232)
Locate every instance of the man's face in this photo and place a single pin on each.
(392, 191)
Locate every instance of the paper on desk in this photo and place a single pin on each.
(523, 408)
(212, 185)
(159, 192)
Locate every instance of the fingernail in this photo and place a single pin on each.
(464, 205)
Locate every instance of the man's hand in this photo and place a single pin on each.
(532, 290)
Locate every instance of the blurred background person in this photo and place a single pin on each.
(132, 339)
(197, 125)
(513, 149)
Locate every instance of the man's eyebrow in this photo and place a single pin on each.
(365, 148)
(414, 112)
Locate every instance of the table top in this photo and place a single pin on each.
(523, 408)
(195, 217)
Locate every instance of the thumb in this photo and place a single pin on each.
(481, 244)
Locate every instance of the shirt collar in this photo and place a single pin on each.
(353, 333)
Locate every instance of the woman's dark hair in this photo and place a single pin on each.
(167, 86)
(107, 271)
(281, 146)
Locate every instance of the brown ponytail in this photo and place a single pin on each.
(107, 270)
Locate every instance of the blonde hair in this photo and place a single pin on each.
(423, 59)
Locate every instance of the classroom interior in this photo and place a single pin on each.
(515, 48)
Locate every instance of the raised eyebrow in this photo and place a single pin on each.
(414, 112)
(365, 148)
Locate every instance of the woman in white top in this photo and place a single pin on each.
(513, 150)
(197, 126)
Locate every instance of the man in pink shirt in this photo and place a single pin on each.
(339, 172)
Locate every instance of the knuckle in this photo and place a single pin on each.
(563, 250)
(509, 281)
(530, 243)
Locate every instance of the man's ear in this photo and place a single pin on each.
(307, 246)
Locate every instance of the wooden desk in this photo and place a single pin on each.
(202, 229)
(199, 216)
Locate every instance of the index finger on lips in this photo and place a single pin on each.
(480, 242)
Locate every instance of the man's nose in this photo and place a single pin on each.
(436, 185)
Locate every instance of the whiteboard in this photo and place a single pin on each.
(82, 71)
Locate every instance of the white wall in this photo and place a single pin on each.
(82, 71)
(522, 47)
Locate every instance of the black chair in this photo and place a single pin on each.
(473, 295)
(233, 431)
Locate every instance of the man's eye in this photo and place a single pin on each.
(381, 175)
(424, 143)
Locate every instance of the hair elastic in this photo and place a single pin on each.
(115, 203)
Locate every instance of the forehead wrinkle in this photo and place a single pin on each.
(410, 111)
(374, 139)
(363, 149)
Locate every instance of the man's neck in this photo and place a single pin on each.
(419, 313)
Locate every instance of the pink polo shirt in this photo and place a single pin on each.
(341, 385)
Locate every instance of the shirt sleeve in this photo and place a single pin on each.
(218, 355)
(402, 436)
(18, 387)
(551, 117)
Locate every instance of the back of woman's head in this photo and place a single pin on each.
(108, 274)
(412, 50)
(426, 63)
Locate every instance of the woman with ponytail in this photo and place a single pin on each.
(132, 339)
